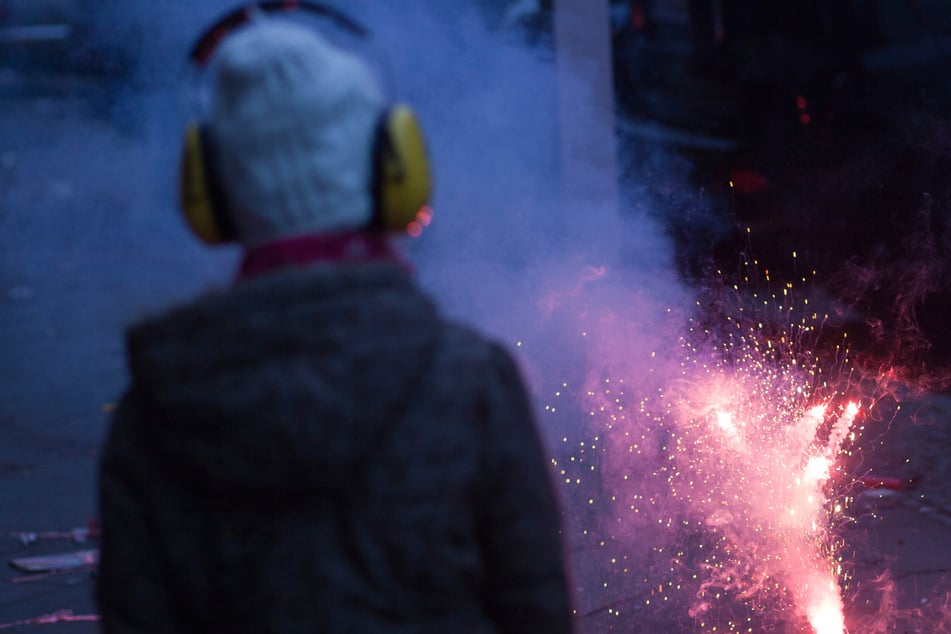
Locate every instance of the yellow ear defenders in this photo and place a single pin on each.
(401, 183)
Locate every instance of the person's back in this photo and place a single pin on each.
(316, 449)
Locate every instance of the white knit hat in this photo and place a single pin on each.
(292, 121)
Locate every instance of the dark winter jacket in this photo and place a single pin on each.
(317, 450)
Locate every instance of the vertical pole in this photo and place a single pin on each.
(586, 100)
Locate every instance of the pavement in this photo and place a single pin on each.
(57, 369)
(84, 248)
(86, 244)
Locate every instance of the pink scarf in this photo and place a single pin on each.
(352, 246)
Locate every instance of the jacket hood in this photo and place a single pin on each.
(287, 381)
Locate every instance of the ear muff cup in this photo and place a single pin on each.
(402, 180)
(201, 198)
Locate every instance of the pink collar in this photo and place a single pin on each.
(351, 247)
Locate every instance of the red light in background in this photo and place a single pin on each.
(804, 117)
(423, 217)
(875, 482)
(638, 17)
(748, 181)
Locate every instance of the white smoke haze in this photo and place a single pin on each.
(560, 282)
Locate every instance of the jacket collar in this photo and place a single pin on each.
(356, 247)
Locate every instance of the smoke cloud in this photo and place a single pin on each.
(561, 282)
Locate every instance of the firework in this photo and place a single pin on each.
(707, 485)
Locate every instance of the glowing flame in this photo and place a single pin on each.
(824, 609)
(728, 427)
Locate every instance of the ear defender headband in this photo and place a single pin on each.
(401, 183)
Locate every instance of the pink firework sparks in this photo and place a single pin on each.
(707, 486)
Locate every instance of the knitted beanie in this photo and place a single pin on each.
(292, 122)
